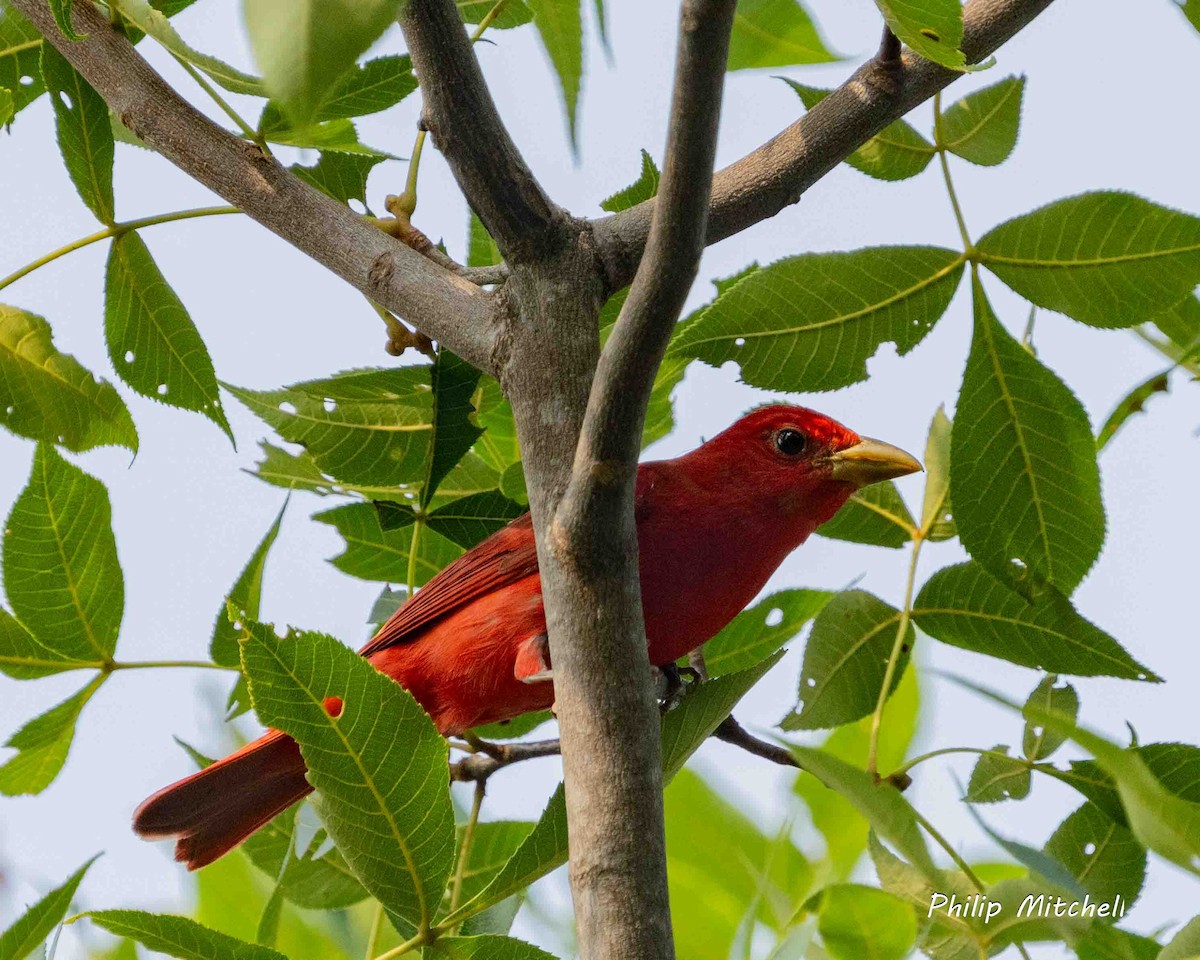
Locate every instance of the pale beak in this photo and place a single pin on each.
(871, 461)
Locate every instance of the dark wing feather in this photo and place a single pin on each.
(505, 557)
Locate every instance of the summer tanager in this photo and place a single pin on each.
(470, 646)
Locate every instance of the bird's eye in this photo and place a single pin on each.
(791, 442)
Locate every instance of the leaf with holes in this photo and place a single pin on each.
(845, 661)
(341, 175)
(43, 744)
(983, 126)
(812, 322)
(642, 189)
(20, 55)
(152, 341)
(1039, 743)
(1102, 855)
(369, 426)
(244, 596)
(1023, 474)
(774, 33)
(454, 429)
(49, 396)
(61, 572)
(84, 135)
(896, 153)
(372, 553)
(997, 776)
(179, 936)
(1106, 259)
(967, 607)
(379, 766)
(933, 28)
(762, 629)
(33, 926)
(875, 515)
(369, 88)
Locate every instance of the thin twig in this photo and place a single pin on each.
(734, 733)
(890, 49)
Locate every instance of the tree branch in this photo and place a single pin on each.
(778, 173)
(461, 117)
(446, 307)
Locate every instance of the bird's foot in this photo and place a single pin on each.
(669, 684)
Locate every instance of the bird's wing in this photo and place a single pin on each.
(503, 558)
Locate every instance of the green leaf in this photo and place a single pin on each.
(1181, 324)
(1191, 10)
(774, 33)
(487, 947)
(889, 814)
(20, 55)
(374, 554)
(966, 607)
(513, 14)
(43, 744)
(339, 136)
(1186, 943)
(322, 882)
(61, 572)
(33, 926)
(760, 630)
(492, 846)
(1038, 743)
(812, 322)
(875, 515)
(863, 923)
(152, 341)
(341, 175)
(49, 396)
(369, 426)
(937, 517)
(383, 797)
(1023, 473)
(474, 518)
(481, 248)
(7, 107)
(1106, 259)
(23, 657)
(244, 596)
(1110, 943)
(1175, 765)
(845, 661)
(305, 47)
(84, 135)
(150, 20)
(180, 937)
(369, 88)
(997, 776)
(983, 126)
(933, 28)
(1133, 403)
(1102, 855)
(61, 9)
(642, 189)
(454, 432)
(560, 27)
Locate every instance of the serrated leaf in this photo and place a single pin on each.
(369, 426)
(937, 519)
(486, 947)
(43, 744)
(1023, 474)
(513, 14)
(336, 136)
(375, 554)
(23, 657)
(1101, 854)
(48, 396)
(473, 518)
(642, 189)
(1181, 324)
(384, 799)
(933, 28)
(966, 607)
(84, 135)
(560, 26)
(875, 515)
(997, 776)
(864, 923)
(812, 322)
(1106, 259)
(1111, 943)
(1185, 945)
(179, 936)
(896, 153)
(61, 572)
(150, 20)
(245, 596)
(369, 88)
(760, 630)
(774, 33)
(33, 926)
(845, 661)
(454, 431)
(1039, 863)
(152, 341)
(1175, 765)
(983, 126)
(1038, 743)
(20, 54)
(492, 846)
(342, 176)
(1133, 403)
(305, 47)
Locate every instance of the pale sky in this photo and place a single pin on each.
(1109, 104)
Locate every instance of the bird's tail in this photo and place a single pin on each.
(212, 811)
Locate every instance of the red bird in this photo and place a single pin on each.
(470, 646)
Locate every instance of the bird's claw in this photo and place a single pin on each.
(669, 686)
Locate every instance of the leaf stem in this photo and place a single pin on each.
(894, 658)
(954, 854)
(411, 581)
(488, 19)
(116, 230)
(944, 751)
(968, 247)
(247, 131)
(376, 930)
(406, 947)
(464, 852)
(151, 664)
